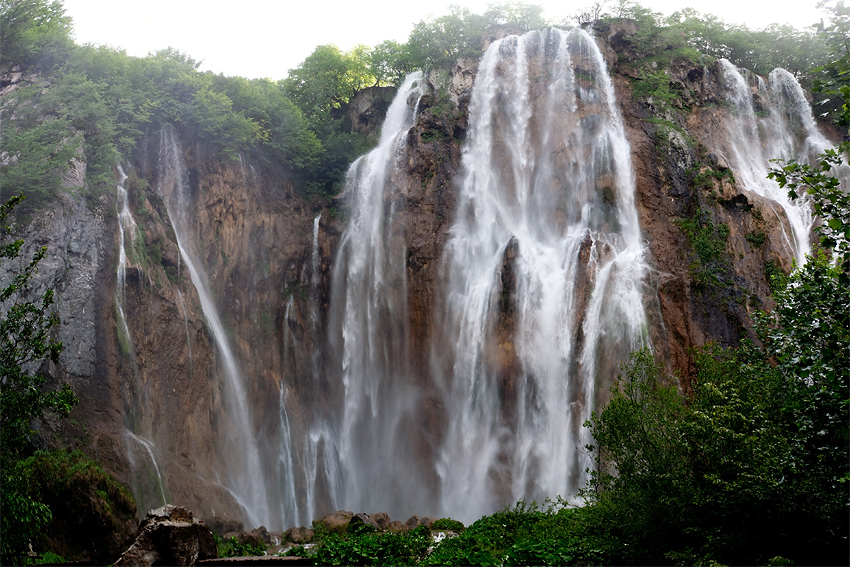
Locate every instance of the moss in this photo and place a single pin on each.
(94, 516)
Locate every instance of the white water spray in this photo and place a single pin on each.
(545, 268)
(126, 226)
(783, 128)
(149, 448)
(369, 311)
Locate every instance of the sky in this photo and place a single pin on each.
(266, 38)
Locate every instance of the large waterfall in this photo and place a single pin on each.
(369, 323)
(544, 267)
(536, 292)
(543, 296)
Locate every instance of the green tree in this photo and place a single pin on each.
(33, 33)
(832, 80)
(441, 41)
(25, 342)
(327, 79)
(390, 62)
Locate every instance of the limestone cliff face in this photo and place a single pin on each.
(151, 407)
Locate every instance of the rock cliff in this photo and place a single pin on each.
(152, 408)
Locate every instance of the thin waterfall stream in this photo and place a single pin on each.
(245, 478)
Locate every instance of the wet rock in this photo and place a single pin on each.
(412, 523)
(382, 519)
(368, 107)
(169, 536)
(427, 521)
(363, 519)
(222, 526)
(396, 527)
(335, 522)
(300, 535)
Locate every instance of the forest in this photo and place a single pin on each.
(746, 465)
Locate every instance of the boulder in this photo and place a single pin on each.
(382, 519)
(412, 523)
(427, 521)
(169, 536)
(335, 522)
(258, 537)
(396, 527)
(300, 535)
(363, 518)
(221, 526)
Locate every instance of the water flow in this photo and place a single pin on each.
(782, 127)
(244, 477)
(149, 448)
(126, 225)
(289, 496)
(544, 273)
(369, 310)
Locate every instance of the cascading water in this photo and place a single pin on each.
(149, 449)
(782, 128)
(544, 268)
(126, 225)
(369, 313)
(244, 477)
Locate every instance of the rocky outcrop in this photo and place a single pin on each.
(169, 536)
(367, 108)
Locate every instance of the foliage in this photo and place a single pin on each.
(448, 524)
(25, 342)
(233, 548)
(328, 78)
(831, 202)
(34, 33)
(753, 463)
(90, 509)
(687, 34)
(832, 80)
(390, 62)
(821, 180)
(371, 548)
(440, 41)
(709, 243)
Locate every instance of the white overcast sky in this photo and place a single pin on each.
(266, 38)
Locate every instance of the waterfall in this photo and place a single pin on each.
(544, 270)
(289, 496)
(369, 318)
(244, 477)
(149, 449)
(782, 127)
(126, 225)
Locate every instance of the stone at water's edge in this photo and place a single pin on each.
(335, 522)
(169, 536)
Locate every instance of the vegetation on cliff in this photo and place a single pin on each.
(93, 104)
